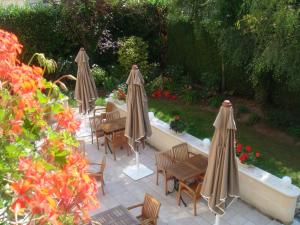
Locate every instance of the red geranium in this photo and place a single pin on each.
(173, 97)
(167, 94)
(248, 148)
(239, 148)
(246, 155)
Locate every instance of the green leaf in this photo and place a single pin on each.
(41, 97)
(2, 114)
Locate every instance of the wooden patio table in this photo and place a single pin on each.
(111, 127)
(188, 169)
(118, 215)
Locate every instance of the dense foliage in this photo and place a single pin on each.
(203, 50)
(43, 177)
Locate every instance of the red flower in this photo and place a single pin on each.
(257, 154)
(167, 94)
(244, 157)
(18, 204)
(248, 148)
(16, 126)
(173, 97)
(239, 148)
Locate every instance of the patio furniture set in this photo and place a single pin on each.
(184, 168)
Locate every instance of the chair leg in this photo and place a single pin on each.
(102, 185)
(97, 143)
(178, 195)
(92, 136)
(105, 144)
(114, 151)
(166, 186)
(195, 206)
(128, 150)
(156, 177)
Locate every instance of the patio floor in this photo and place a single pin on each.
(120, 189)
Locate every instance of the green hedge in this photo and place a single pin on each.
(56, 31)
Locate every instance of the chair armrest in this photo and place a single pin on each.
(192, 154)
(148, 221)
(186, 187)
(135, 206)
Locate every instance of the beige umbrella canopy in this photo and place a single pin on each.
(85, 89)
(137, 122)
(221, 184)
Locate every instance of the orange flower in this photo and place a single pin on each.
(67, 121)
(16, 126)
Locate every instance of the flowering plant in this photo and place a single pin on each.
(246, 155)
(177, 124)
(166, 94)
(120, 92)
(43, 179)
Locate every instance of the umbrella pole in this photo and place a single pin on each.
(217, 221)
(137, 159)
(138, 170)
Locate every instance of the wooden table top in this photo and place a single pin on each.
(190, 168)
(118, 215)
(113, 125)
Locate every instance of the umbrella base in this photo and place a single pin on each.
(137, 172)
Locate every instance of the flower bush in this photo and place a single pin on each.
(246, 155)
(43, 179)
(120, 92)
(177, 124)
(163, 94)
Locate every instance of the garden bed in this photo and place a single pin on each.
(279, 157)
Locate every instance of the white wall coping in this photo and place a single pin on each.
(255, 173)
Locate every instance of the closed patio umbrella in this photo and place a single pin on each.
(85, 89)
(221, 185)
(137, 127)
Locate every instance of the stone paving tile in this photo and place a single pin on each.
(120, 189)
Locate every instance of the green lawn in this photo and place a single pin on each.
(279, 158)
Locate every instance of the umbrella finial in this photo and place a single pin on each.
(226, 103)
(134, 67)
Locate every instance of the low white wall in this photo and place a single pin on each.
(259, 188)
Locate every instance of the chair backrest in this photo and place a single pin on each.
(95, 121)
(109, 107)
(103, 164)
(180, 152)
(164, 159)
(118, 138)
(112, 115)
(150, 207)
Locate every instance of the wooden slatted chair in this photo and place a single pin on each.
(150, 210)
(117, 141)
(99, 172)
(192, 190)
(181, 152)
(112, 116)
(95, 123)
(163, 161)
(109, 107)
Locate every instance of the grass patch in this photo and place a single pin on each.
(100, 101)
(279, 158)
